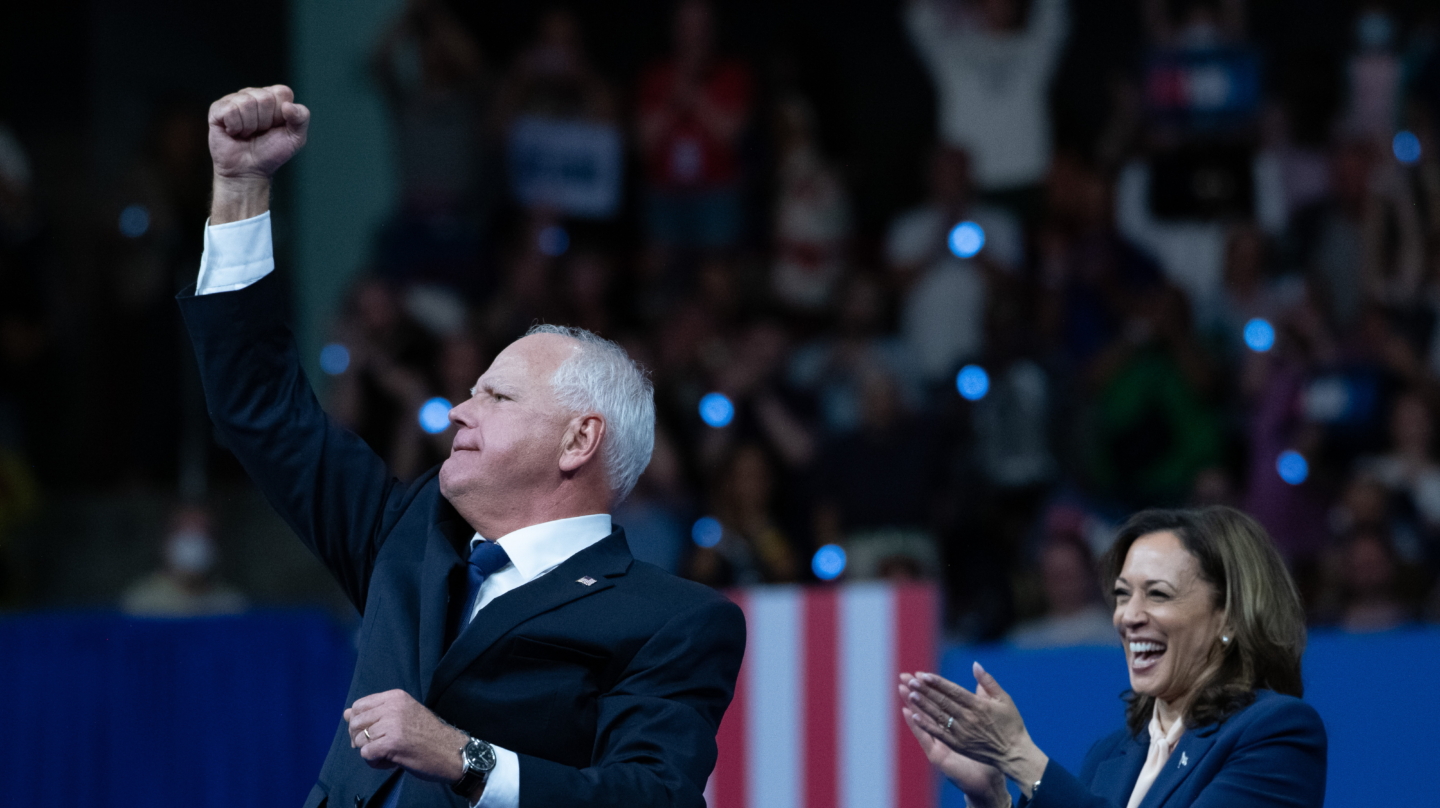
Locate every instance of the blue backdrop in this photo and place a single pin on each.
(1379, 695)
(103, 710)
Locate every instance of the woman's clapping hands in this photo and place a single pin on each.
(976, 739)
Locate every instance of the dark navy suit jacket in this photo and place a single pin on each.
(1269, 755)
(610, 693)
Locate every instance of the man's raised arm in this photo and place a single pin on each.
(252, 133)
(323, 480)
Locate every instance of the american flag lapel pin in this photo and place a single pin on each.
(587, 580)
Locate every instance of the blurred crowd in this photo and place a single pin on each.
(1224, 291)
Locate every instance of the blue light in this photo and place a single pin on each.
(1259, 335)
(334, 358)
(966, 239)
(973, 382)
(1406, 147)
(706, 532)
(554, 241)
(134, 221)
(1292, 467)
(435, 415)
(829, 562)
(716, 410)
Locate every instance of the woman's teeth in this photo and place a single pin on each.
(1145, 654)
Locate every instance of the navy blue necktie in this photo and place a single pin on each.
(485, 559)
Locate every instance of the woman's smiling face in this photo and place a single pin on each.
(1168, 619)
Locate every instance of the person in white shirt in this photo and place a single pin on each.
(991, 64)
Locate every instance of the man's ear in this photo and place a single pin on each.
(582, 441)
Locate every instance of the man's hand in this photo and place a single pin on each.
(252, 133)
(401, 732)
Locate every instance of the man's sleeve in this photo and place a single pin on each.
(323, 480)
(236, 255)
(655, 734)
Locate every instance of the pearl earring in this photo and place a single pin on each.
(1224, 639)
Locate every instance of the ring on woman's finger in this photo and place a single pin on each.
(949, 723)
(367, 734)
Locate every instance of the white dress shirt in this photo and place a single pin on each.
(238, 254)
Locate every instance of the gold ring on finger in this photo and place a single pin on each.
(368, 738)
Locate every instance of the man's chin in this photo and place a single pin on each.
(449, 478)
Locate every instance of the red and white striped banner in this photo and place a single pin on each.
(816, 719)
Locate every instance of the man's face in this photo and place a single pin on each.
(508, 433)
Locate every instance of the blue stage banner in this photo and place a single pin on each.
(1377, 694)
(223, 712)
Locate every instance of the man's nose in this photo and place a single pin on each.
(458, 414)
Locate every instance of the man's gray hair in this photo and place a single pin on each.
(601, 377)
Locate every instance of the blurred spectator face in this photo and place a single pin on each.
(507, 433)
(1370, 566)
(1410, 426)
(861, 307)
(559, 49)
(749, 480)
(1244, 257)
(950, 175)
(1350, 166)
(587, 280)
(1077, 195)
(1212, 487)
(1066, 575)
(1001, 15)
(376, 306)
(794, 125)
(694, 32)
(1366, 502)
(879, 401)
(1200, 24)
(190, 553)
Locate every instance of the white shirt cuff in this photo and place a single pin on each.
(236, 255)
(502, 787)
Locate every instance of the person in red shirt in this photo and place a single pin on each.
(693, 109)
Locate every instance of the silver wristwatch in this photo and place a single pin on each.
(478, 758)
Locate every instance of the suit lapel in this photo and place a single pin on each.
(1183, 760)
(1115, 778)
(438, 572)
(603, 561)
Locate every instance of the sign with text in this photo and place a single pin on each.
(573, 167)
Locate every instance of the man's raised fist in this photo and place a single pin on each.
(253, 132)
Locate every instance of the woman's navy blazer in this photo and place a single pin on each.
(1270, 754)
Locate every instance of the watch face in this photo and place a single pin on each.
(480, 755)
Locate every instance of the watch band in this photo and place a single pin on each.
(478, 758)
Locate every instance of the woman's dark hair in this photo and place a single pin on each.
(1252, 588)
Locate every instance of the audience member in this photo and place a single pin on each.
(991, 62)
(832, 366)
(751, 548)
(431, 72)
(1368, 578)
(812, 214)
(186, 584)
(875, 486)
(943, 311)
(693, 108)
(1074, 613)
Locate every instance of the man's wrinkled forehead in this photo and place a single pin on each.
(530, 360)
